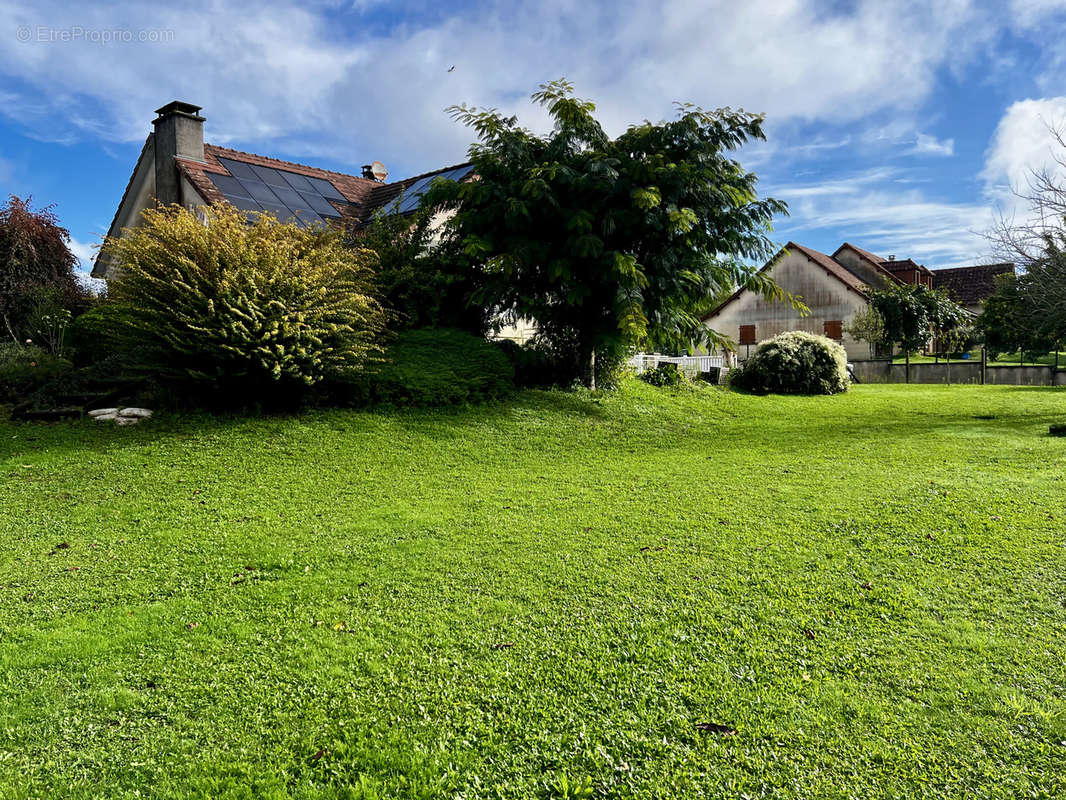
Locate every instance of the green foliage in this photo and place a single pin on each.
(867, 326)
(423, 277)
(103, 332)
(1014, 318)
(244, 308)
(794, 363)
(664, 375)
(467, 603)
(434, 367)
(603, 242)
(26, 368)
(36, 268)
(911, 315)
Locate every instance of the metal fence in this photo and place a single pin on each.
(691, 365)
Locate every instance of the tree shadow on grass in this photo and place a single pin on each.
(169, 428)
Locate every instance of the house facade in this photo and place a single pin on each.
(835, 288)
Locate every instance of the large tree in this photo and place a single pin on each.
(605, 242)
(1031, 311)
(36, 267)
(1010, 320)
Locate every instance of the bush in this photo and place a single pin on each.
(251, 310)
(101, 333)
(664, 375)
(794, 363)
(433, 367)
(24, 369)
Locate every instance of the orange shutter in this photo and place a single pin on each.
(747, 334)
(834, 329)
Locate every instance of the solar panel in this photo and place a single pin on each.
(327, 189)
(230, 187)
(298, 182)
(239, 169)
(319, 204)
(271, 177)
(411, 196)
(259, 191)
(287, 195)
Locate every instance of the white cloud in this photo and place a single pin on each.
(870, 210)
(1023, 142)
(926, 145)
(315, 80)
(1027, 14)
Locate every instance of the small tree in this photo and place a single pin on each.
(914, 314)
(604, 242)
(240, 306)
(36, 267)
(867, 326)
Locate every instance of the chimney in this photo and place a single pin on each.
(179, 133)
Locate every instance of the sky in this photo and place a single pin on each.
(898, 126)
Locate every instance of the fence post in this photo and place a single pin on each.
(984, 363)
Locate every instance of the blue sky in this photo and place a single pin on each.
(898, 126)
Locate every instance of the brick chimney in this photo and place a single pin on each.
(179, 133)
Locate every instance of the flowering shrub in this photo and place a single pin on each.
(794, 363)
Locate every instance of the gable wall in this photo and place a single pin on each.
(827, 298)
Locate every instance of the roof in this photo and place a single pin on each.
(904, 264)
(969, 286)
(866, 254)
(363, 195)
(834, 268)
(874, 261)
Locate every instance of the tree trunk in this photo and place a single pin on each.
(7, 324)
(592, 369)
(907, 368)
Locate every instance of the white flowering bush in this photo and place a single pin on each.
(794, 363)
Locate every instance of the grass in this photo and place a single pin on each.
(655, 594)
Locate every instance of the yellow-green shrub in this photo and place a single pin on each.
(239, 304)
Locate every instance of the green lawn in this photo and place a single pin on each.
(865, 591)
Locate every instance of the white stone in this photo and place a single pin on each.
(127, 420)
(105, 417)
(140, 413)
(98, 412)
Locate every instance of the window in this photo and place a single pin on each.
(747, 334)
(834, 329)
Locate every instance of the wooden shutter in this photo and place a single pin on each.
(834, 329)
(747, 334)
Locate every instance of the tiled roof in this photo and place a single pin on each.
(874, 259)
(364, 195)
(970, 285)
(904, 264)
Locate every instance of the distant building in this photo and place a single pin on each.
(835, 288)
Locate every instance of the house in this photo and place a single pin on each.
(835, 288)
(177, 166)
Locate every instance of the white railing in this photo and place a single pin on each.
(691, 365)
